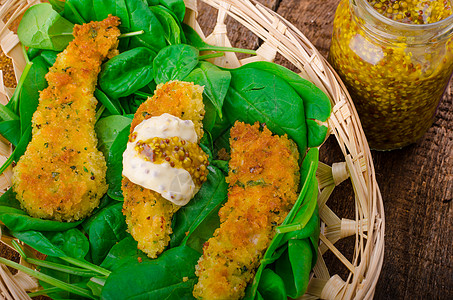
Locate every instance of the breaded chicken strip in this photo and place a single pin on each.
(148, 214)
(61, 176)
(263, 180)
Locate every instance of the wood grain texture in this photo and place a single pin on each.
(314, 19)
(416, 182)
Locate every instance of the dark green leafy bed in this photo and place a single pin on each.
(96, 257)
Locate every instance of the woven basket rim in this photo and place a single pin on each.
(280, 36)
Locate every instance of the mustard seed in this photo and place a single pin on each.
(395, 82)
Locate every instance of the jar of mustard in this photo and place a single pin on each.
(396, 59)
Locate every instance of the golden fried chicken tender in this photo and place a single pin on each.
(148, 214)
(263, 183)
(61, 176)
(180, 99)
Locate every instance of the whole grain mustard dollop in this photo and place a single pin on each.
(160, 156)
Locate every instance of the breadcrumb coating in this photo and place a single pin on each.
(148, 214)
(180, 99)
(61, 176)
(263, 183)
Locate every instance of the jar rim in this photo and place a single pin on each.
(405, 26)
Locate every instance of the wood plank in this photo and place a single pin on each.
(417, 184)
(314, 19)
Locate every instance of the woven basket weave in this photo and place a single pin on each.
(279, 36)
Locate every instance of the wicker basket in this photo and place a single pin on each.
(279, 36)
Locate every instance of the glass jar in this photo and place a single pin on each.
(395, 68)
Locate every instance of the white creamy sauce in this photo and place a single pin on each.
(166, 126)
(174, 184)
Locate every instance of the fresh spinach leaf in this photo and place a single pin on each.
(127, 72)
(149, 89)
(106, 229)
(174, 62)
(42, 27)
(10, 111)
(310, 225)
(172, 29)
(57, 5)
(306, 203)
(102, 8)
(72, 242)
(49, 57)
(33, 52)
(108, 128)
(206, 149)
(10, 130)
(222, 141)
(204, 231)
(220, 132)
(210, 115)
(38, 241)
(294, 267)
(142, 18)
(79, 11)
(215, 81)
(21, 146)
(9, 199)
(135, 15)
(104, 202)
(132, 281)
(6, 114)
(193, 38)
(131, 103)
(123, 253)
(96, 284)
(316, 133)
(212, 194)
(312, 229)
(115, 164)
(18, 220)
(176, 6)
(18, 151)
(11, 209)
(29, 94)
(257, 95)
(221, 164)
(112, 105)
(271, 286)
(73, 280)
(316, 103)
(83, 11)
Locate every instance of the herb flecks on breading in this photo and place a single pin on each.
(263, 180)
(148, 214)
(61, 176)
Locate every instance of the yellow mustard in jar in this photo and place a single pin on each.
(396, 59)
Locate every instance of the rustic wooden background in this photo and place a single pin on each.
(416, 182)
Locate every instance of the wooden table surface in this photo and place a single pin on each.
(416, 182)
